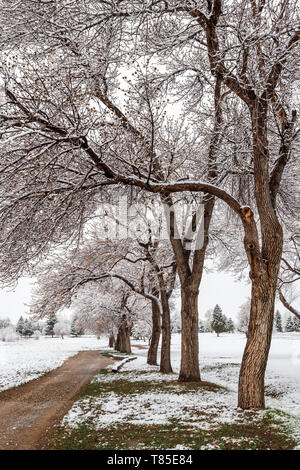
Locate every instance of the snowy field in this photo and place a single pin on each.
(164, 402)
(220, 360)
(159, 401)
(27, 359)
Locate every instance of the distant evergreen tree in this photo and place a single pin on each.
(278, 321)
(49, 330)
(20, 326)
(36, 326)
(218, 323)
(230, 325)
(27, 329)
(201, 327)
(296, 323)
(289, 326)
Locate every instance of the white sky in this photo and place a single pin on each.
(222, 289)
(12, 301)
(216, 288)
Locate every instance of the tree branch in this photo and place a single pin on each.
(287, 305)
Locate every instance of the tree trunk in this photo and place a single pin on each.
(111, 342)
(152, 352)
(264, 266)
(189, 367)
(165, 358)
(190, 274)
(127, 345)
(123, 337)
(287, 305)
(118, 341)
(255, 357)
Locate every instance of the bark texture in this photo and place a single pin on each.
(264, 260)
(123, 338)
(165, 359)
(255, 357)
(189, 367)
(155, 336)
(111, 341)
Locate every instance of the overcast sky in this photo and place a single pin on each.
(12, 301)
(216, 288)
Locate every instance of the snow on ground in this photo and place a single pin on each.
(221, 362)
(220, 359)
(199, 408)
(156, 407)
(27, 359)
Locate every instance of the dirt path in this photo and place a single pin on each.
(30, 412)
(139, 346)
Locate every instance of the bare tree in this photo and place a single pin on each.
(150, 155)
(244, 317)
(105, 311)
(247, 48)
(289, 275)
(62, 328)
(146, 268)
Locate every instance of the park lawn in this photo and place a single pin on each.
(143, 409)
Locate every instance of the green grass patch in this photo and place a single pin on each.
(110, 353)
(254, 436)
(127, 387)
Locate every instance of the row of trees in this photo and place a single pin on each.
(52, 327)
(88, 114)
(87, 321)
(292, 324)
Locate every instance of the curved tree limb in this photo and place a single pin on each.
(287, 305)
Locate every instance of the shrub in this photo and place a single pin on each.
(8, 334)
